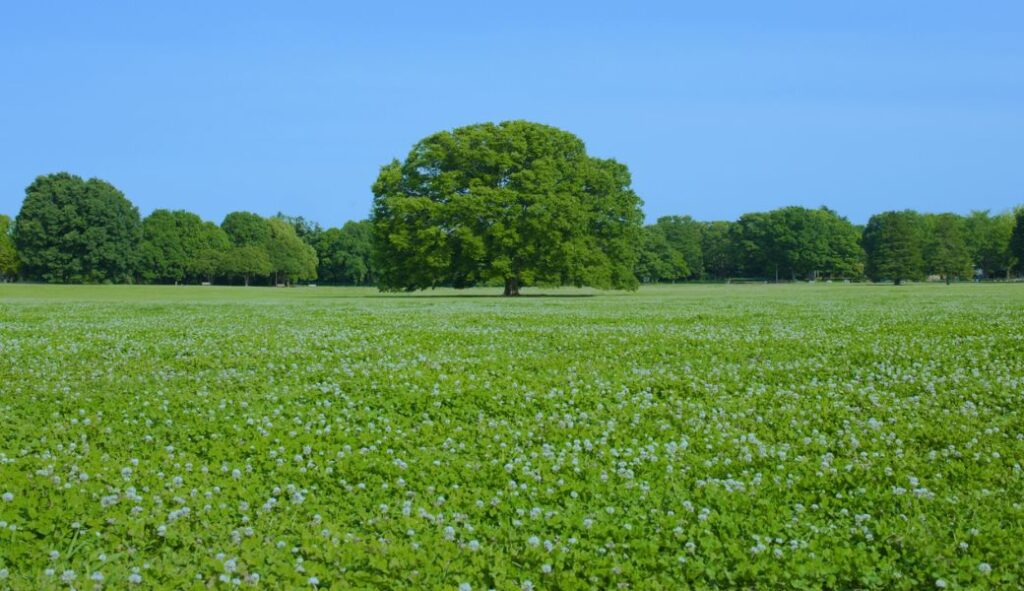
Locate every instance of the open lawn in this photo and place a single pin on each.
(827, 436)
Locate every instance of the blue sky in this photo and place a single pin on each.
(717, 108)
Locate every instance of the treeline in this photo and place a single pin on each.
(797, 243)
(71, 230)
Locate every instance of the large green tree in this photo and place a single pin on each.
(894, 246)
(9, 263)
(517, 203)
(70, 230)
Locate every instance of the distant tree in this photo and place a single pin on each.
(171, 241)
(291, 259)
(988, 241)
(1017, 239)
(249, 235)
(658, 260)
(307, 230)
(211, 258)
(838, 252)
(684, 235)
(796, 242)
(274, 245)
(946, 253)
(9, 263)
(894, 246)
(345, 254)
(518, 202)
(720, 260)
(757, 240)
(246, 229)
(71, 231)
(246, 262)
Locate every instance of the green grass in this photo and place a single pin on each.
(828, 436)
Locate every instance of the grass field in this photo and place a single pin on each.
(830, 436)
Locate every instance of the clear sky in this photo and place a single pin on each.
(718, 108)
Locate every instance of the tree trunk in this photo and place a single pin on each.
(897, 282)
(247, 280)
(947, 279)
(512, 286)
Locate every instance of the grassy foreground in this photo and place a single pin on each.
(831, 436)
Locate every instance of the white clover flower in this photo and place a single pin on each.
(465, 587)
(533, 541)
(985, 568)
(545, 568)
(4, 573)
(473, 545)
(96, 576)
(7, 497)
(940, 583)
(135, 578)
(314, 581)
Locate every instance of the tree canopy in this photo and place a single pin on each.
(510, 204)
(518, 203)
(988, 242)
(946, 253)
(266, 247)
(345, 254)
(797, 243)
(659, 260)
(894, 246)
(291, 259)
(1016, 245)
(179, 246)
(9, 262)
(672, 250)
(70, 230)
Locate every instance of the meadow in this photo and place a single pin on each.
(800, 436)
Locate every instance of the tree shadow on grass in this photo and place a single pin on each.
(460, 296)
